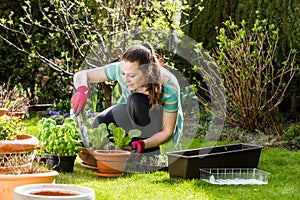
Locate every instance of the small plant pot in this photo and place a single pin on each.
(19, 114)
(8, 181)
(111, 163)
(53, 191)
(87, 157)
(3, 111)
(23, 143)
(61, 163)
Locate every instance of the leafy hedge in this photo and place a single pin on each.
(283, 14)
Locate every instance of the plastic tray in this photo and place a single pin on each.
(186, 163)
(234, 176)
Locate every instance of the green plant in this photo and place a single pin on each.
(59, 139)
(76, 25)
(292, 136)
(111, 135)
(63, 106)
(119, 137)
(58, 118)
(10, 128)
(254, 85)
(97, 137)
(190, 101)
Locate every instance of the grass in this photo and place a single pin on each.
(284, 183)
(30, 124)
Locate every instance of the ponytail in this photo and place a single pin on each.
(154, 59)
(154, 78)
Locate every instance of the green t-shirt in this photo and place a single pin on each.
(170, 98)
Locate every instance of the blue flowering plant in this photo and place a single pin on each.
(54, 112)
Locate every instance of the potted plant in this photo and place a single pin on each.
(10, 128)
(12, 102)
(18, 165)
(19, 174)
(111, 162)
(95, 139)
(13, 140)
(3, 111)
(60, 143)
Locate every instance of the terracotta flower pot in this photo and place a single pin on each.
(3, 111)
(53, 191)
(111, 163)
(23, 143)
(87, 157)
(19, 114)
(8, 182)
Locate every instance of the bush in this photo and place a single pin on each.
(10, 128)
(292, 136)
(254, 85)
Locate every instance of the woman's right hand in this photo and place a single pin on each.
(79, 99)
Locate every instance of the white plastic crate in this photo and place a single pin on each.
(234, 176)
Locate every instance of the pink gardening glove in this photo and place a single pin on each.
(79, 99)
(138, 147)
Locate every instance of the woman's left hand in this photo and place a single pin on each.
(138, 147)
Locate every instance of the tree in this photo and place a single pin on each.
(60, 36)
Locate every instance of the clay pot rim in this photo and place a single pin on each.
(81, 191)
(38, 174)
(23, 143)
(111, 152)
(21, 138)
(16, 112)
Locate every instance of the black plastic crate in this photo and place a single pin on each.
(186, 163)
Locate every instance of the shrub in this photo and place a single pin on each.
(254, 86)
(10, 128)
(292, 136)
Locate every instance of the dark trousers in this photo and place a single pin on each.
(136, 114)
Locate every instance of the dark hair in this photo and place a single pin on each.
(145, 55)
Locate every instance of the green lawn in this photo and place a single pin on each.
(284, 183)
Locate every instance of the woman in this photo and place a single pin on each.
(149, 97)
